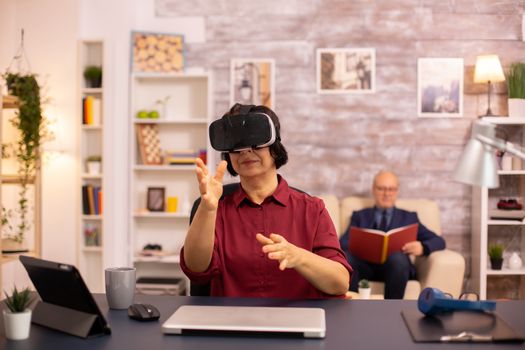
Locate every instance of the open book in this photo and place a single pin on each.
(376, 245)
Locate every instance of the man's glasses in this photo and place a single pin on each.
(386, 189)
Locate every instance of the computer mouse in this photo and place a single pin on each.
(143, 312)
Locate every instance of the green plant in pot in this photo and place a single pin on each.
(496, 256)
(364, 289)
(93, 163)
(17, 316)
(93, 76)
(26, 150)
(516, 89)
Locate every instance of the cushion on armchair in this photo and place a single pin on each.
(441, 269)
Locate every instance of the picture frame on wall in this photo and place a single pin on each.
(440, 87)
(252, 81)
(346, 70)
(156, 199)
(157, 52)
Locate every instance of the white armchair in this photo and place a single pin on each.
(441, 269)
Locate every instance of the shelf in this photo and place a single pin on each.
(506, 222)
(164, 167)
(504, 120)
(511, 172)
(91, 217)
(92, 90)
(9, 102)
(91, 127)
(14, 179)
(162, 215)
(91, 176)
(506, 272)
(92, 249)
(167, 259)
(173, 121)
(15, 256)
(167, 76)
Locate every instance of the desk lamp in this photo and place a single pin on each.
(488, 69)
(477, 165)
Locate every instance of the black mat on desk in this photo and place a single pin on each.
(483, 326)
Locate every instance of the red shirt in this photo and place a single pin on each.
(239, 268)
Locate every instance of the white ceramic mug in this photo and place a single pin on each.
(120, 286)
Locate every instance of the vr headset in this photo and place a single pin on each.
(432, 301)
(246, 130)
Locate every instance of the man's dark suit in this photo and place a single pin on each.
(398, 268)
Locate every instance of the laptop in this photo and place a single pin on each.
(308, 322)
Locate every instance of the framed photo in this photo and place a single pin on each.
(346, 71)
(157, 52)
(440, 87)
(156, 200)
(252, 81)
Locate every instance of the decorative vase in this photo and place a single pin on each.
(515, 261)
(17, 324)
(364, 293)
(496, 264)
(516, 107)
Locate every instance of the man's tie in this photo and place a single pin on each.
(383, 225)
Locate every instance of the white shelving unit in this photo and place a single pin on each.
(182, 125)
(505, 283)
(91, 220)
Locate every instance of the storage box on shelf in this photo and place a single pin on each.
(169, 118)
(91, 120)
(490, 225)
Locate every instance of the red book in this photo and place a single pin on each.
(376, 245)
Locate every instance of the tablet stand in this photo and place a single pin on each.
(78, 323)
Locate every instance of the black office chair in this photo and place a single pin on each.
(205, 289)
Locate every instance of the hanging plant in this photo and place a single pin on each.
(29, 121)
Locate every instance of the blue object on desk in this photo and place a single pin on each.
(432, 301)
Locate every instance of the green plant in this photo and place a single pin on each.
(31, 124)
(364, 283)
(496, 251)
(19, 300)
(93, 72)
(516, 80)
(94, 158)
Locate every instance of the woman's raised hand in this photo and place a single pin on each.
(210, 187)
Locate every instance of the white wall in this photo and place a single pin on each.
(52, 30)
(50, 43)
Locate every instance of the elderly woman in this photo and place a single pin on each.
(265, 239)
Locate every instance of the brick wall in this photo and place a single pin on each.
(337, 143)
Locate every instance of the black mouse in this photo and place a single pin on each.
(143, 312)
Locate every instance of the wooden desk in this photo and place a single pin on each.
(351, 324)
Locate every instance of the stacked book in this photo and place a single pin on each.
(91, 200)
(180, 157)
(91, 110)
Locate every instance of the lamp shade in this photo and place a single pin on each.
(488, 68)
(477, 164)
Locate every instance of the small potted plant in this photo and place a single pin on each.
(93, 76)
(17, 316)
(516, 89)
(496, 256)
(94, 164)
(364, 289)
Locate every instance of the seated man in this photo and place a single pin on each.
(397, 269)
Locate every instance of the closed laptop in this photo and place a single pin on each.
(310, 322)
